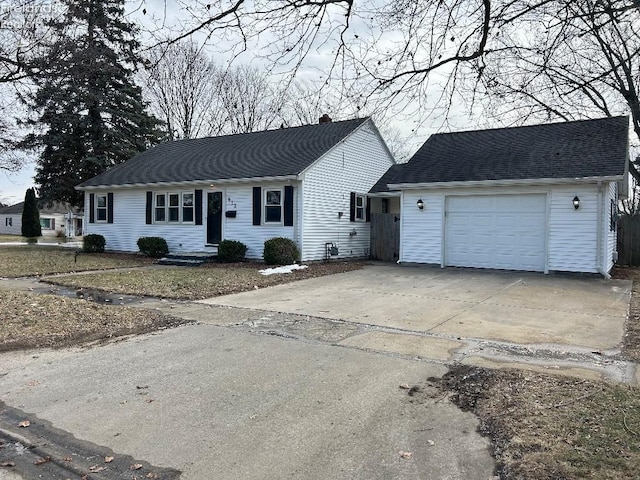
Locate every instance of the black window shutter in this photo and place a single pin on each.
(149, 209)
(352, 207)
(109, 207)
(368, 210)
(257, 205)
(198, 207)
(288, 206)
(92, 209)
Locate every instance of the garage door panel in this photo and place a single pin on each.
(496, 231)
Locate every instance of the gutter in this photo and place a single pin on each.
(503, 183)
(204, 183)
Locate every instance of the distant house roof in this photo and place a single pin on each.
(270, 153)
(579, 149)
(44, 208)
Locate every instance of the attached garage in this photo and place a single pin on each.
(537, 198)
(496, 231)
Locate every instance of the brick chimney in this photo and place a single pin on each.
(324, 119)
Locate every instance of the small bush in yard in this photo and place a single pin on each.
(93, 243)
(155, 247)
(230, 251)
(280, 251)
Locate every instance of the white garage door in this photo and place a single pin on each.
(496, 231)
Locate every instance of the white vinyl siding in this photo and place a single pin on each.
(128, 225)
(242, 229)
(572, 235)
(354, 165)
(611, 235)
(11, 224)
(421, 230)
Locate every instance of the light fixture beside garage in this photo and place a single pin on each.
(420, 204)
(576, 202)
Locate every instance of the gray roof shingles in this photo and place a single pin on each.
(270, 153)
(578, 149)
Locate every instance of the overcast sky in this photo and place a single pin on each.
(165, 13)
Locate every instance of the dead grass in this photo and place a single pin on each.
(631, 341)
(33, 321)
(552, 427)
(33, 260)
(189, 283)
(12, 238)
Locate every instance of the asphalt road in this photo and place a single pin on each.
(219, 403)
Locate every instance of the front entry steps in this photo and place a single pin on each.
(187, 259)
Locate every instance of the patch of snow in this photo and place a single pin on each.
(283, 269)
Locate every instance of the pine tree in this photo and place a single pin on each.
(30, 215)
(92, 111)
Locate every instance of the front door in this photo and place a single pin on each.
(214, 218)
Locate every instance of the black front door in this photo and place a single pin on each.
(214, 217)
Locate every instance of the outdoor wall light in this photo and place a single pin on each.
(576, 202)
(420, 204)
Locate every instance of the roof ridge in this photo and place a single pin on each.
(265, 131)
(537, 125)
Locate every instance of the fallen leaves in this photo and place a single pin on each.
(108, 459)
(96, 469)
(135, 466)
(8, 464)
(405, 455)
(24, 423)
(42, 460)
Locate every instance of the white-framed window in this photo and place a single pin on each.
(160, 208)
(45, 224)
(101, 208)
(174, 207)
(273, 206)
(361, 205)
(187, 207)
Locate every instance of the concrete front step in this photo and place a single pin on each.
(187, 259)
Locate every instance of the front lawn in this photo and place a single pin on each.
(34, 260)
(195, 283)
(33, 321)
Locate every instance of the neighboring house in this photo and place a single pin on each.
(305, 183)
(539, 198)
(55, 219)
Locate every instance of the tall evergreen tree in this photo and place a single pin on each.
(90, 108)
(30, 215)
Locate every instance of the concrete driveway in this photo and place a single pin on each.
(443, 313)
(213, 402)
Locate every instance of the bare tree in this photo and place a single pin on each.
(248, 100)
(182, 88)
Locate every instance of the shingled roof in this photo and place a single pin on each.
(43, 208)
(270, 153)
(580, 149)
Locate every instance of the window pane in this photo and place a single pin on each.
(187, 214)
(174, 200)
(272, 214)
(187, 199)
(174, 214)
(160, 216)
(45, 223)
(160, 200)
(102, 201)
(359, 201)
(273, 197)
(102, 214)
